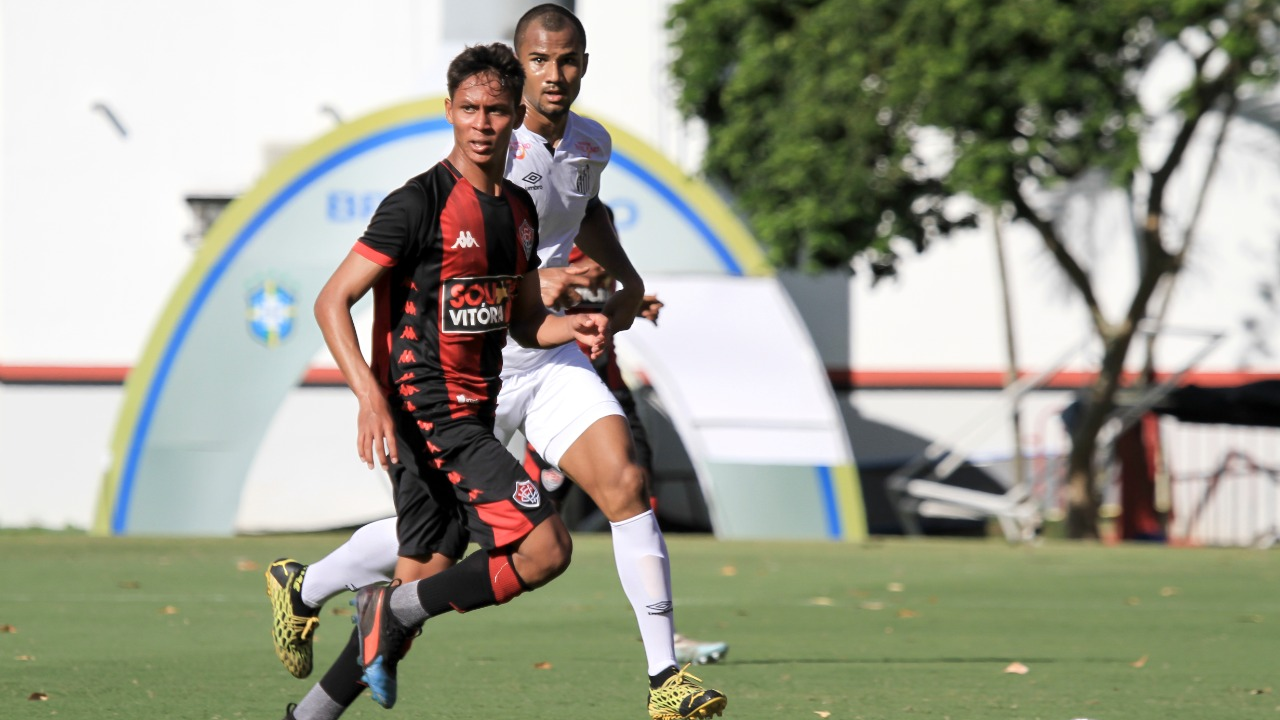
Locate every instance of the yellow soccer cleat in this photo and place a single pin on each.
(293, 624)
(682, 698)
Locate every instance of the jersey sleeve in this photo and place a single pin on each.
(523, 197)
(395, 224)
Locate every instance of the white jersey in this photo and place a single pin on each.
(561, 184)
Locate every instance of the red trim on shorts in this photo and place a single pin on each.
(508, 524)
(372, 255)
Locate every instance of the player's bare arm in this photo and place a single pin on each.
(599, 240)
(532, 325)
(375, 433)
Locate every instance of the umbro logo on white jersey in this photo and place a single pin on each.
(465, 240)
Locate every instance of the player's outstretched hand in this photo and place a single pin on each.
(376, 432)
(650, 306)
(591, 331)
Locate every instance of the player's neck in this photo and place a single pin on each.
(546, 128)
(484, 178)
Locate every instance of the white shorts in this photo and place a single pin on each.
(553, 402)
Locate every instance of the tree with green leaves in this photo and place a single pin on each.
(843, 125)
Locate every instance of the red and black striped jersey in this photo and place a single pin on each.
(440, 315)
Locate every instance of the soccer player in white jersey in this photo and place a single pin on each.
(554, 397)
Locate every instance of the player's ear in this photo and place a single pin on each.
(585, 58)
(519, 116)
(448, 110)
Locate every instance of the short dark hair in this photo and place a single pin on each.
(554, 18)
(495, 58)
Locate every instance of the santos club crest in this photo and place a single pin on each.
(527, 494)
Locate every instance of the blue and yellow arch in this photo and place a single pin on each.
(236, 337)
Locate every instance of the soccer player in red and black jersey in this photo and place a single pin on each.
(448, 257)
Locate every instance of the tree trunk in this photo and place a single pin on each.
(1084, 496)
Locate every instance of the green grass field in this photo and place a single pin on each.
(151, 628)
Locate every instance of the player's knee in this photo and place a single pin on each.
(626, 495)
(634, 482)
(549, 558)
(558, 557)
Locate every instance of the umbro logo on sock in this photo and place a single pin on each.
(660, 608)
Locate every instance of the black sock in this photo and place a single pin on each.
(655, 681)
(342, 681)
(465, 586)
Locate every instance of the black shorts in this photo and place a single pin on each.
(428, 519)
(464, 485)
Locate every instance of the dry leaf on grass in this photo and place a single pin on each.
(1260, 691)
(38, 696)
(544, 665)
(1168, 591)
(246, 566)
(1140, 662)
(9, 629)
(168, 610)
(25, 658)
(130, 585)
(872, 605)
(906, 614)
(1017, 668)
(896, 587)
(822, 713)
(728, 571)
(824, 601)
(1132, 600)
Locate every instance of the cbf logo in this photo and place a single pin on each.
(270, 311)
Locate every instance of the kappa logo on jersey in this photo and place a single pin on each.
(526, 494)
(525, 233)
(466, 400)
(476, 304)
(465, 240)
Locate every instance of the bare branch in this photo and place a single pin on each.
(1206, 95)
(1066, 260)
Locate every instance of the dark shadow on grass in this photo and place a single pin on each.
(916, 661)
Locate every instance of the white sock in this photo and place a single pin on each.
(645, 572)
(367, 558)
